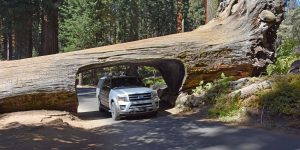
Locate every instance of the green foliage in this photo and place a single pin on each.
(194, 14)
(285, 57)
(83, 24)
(151, 76)
(215, 95)
(212, 89)
(225, 107)
(154, 81)
(284, 98)
(86, 24)
(145, 72)
(296, 23)
(202, 88)
(289, 37)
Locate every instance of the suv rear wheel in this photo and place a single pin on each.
(114, 112)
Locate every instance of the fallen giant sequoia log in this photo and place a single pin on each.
(239, 42)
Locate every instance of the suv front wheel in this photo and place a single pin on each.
(114, 112)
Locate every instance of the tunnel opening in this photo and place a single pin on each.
(162, 75)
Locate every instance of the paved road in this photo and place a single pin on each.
(180, 133)
(87, 100)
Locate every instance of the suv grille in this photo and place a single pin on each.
(139, 97)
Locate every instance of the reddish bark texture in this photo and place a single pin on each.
(50, 30)
(179, 15)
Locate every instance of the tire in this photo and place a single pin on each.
(154, 114)
(114, 112)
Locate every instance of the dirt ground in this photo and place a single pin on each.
(45, 117)
(169, 130)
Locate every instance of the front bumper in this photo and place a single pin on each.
(138, 107)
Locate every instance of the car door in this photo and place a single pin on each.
(104, 93)
(98, 88)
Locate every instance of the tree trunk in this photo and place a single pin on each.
(4, 46)
(10, 46)
(94, 76)
(1, 41)
(49, 30)
(134, 23)
(211, 9)
(179, 15)
(236, 43)
(23, 35)
(247, 91)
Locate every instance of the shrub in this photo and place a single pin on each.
(284, 98)
(225, 106)
(285, 57)
(215, 94)
(154, 81)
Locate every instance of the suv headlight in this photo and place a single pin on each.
(154, 94)
(122, 98)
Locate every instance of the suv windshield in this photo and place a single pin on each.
(126, 82)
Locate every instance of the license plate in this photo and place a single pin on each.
(142, 109)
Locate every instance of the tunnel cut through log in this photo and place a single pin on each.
(238, 42)
(172, 71)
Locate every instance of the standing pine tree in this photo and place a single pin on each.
(22, 18)
(49, 41)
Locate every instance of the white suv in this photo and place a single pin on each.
(126, 95)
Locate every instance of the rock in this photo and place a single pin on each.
(295, 67)
(185, 101)
(182, 100)
(54, 122)
(238, 84)
(267, 16)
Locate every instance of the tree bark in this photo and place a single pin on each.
(4, 46)
(211, 9)
(247, 91)
(94, 76)
(134, 24)
(80, 79)
(179, 15)
(49, 30)
(23, 35)
(10, 45)
(236, 43)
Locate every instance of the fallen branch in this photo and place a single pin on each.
(251, 89)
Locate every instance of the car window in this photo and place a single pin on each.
(126, 82)
(107, 84)
(99, 83)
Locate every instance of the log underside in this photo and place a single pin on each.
(239, 42)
